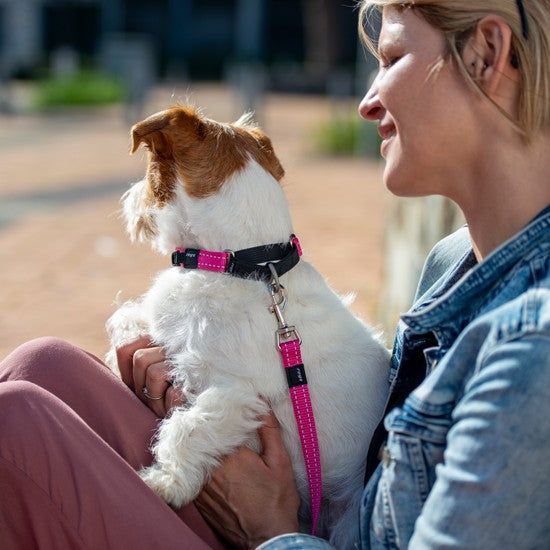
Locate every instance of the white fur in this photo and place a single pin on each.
(218, 333)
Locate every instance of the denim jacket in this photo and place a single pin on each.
(467, 459)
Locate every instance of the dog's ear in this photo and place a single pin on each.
(151, 132)
(267, 155)
(163, 131)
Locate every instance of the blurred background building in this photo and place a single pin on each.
(305, 46)
(303, 43)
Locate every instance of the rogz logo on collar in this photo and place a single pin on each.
(188, 259)
(191, 258)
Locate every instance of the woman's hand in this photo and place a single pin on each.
(143, 365)
(252, 498)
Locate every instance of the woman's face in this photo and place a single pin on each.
(423, 108)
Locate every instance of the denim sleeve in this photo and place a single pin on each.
(296, 541)
(493, 488)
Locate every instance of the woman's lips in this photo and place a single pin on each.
(387, 132)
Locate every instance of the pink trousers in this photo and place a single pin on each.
(72, 436)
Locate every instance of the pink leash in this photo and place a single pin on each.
(288, 341)
(303, 412)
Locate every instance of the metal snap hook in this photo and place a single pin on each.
(274, 277)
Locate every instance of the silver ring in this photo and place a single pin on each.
(149, 396)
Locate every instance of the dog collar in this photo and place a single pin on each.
(247, 263)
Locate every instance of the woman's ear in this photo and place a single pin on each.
(488, 54)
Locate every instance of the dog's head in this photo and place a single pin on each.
(193, 163)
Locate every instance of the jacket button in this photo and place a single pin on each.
(386, 456)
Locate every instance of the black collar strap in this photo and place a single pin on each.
(244, 263)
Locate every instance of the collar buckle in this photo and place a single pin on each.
(186, 257)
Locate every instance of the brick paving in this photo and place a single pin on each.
(63, 252)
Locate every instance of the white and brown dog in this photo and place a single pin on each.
(216, 187)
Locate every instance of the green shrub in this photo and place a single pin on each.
(79, 89)
(347, 135)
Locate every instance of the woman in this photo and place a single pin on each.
(462, 99)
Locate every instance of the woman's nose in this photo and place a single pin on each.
(370, 107)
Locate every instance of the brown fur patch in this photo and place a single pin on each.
(145, 228)
(203, 152)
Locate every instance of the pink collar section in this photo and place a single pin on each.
(247, 263)
(209, 261)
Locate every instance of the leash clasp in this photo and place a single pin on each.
(278, 302)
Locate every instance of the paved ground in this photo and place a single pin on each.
(64, 256)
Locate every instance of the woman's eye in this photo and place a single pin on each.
(386, 64)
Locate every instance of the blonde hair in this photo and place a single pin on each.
(457, 19)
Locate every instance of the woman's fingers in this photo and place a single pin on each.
(144, 369)
(154, 389)
(251, 498)
(125, 358)
(144, 360)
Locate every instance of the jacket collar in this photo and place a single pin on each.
(467, 289)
